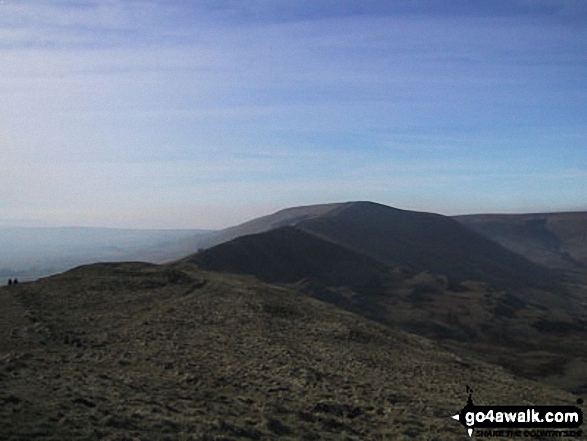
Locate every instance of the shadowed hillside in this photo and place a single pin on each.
(138, 351)
(288, 255)
(400, 238)
(286, 217)
(555, 240)
(503, 325)
(426, 242)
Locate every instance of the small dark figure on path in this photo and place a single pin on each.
(15, 281)
(9, 282)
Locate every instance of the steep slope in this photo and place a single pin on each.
(289, 255)
(286, 217)
(425, 242)
(556, 240)
(137, 351)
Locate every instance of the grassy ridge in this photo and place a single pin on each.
(136, 351)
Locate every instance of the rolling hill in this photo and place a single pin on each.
(288, 255)
(140, 351)
(414, 240)
(555, 240)
(388, 265)
(426, 242)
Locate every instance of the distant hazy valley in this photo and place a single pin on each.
(340, 321)
(30, 253)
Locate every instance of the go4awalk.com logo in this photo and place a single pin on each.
(520, 421)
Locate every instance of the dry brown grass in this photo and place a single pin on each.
(136, 351)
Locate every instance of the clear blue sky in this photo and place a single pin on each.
(203, 114)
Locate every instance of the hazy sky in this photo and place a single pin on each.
(179, 114)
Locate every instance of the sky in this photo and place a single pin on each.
(205, 114)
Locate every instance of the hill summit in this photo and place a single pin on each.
(417, 241)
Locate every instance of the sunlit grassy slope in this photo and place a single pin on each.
(138, 351)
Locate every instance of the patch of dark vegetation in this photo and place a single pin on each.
(361, 336)
(397, 398)
(424, 292)
(306, 416)
(328, 295)
(131, 284)
(413, 432)
(282, 311)
(129, 276)
(176, 276)
(278, 427)
(540, 307)
(120, 423)
(554, 366)
(581, 391)
(508, 305)
(239, 431)
(438, 331)
(73, 340)
(504, 311)
(337, 409)
(377, 285)
(514, 302)
(486, 327)
(455, 286)
(557, 327)
(333, 424)
(12, 399)
(83, 401)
